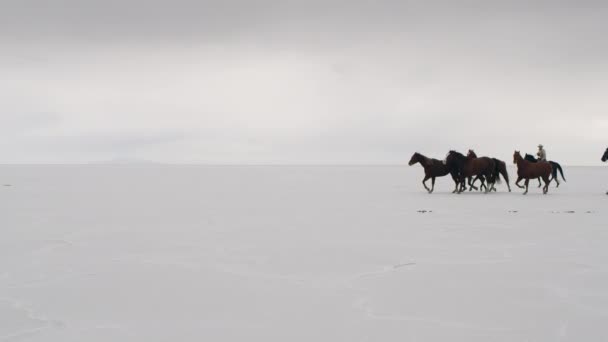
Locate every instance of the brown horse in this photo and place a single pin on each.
(433, 168)
(501, 169)
(468, 167)
(528, 170)
(556, 167)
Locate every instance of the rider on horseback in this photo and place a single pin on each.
(542, 154)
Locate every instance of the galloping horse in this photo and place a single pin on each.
(604, 159)
(432, 168)
(554, 165)
(469, 166)
(528, 170)
(501, 169)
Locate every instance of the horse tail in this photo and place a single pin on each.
(503, 170)
(496, 172)
(559, 167)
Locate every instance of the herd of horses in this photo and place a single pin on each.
(466, 170)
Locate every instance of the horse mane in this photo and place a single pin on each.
(458, 154)
(423, 160)
(518, 153)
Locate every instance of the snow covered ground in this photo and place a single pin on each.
(190, 253)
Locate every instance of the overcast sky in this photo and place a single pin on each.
(333, 82)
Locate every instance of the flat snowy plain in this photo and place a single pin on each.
(192, 253)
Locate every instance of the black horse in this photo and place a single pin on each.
(554, 165)
(604, 159)
(432, 168)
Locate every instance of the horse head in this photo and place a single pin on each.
(415, 159)
(471, 154)
(516, 157)
(455, 160)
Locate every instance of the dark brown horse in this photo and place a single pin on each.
(433, 168)
(501, 169)
(469, 166)
(528, 170)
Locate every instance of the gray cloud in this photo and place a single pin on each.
(294, 81)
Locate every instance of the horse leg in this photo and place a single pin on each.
(463, 184)
(471, 185)
(539, 183)
(432, 185)
(517, 182)
(479, 177)
(456, 185)
(424, 182)
(526, 183)
(489, 186)
(493, 187)
(547, 182)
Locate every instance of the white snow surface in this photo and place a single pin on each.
(256, 253)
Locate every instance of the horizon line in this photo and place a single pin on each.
(235, 164)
